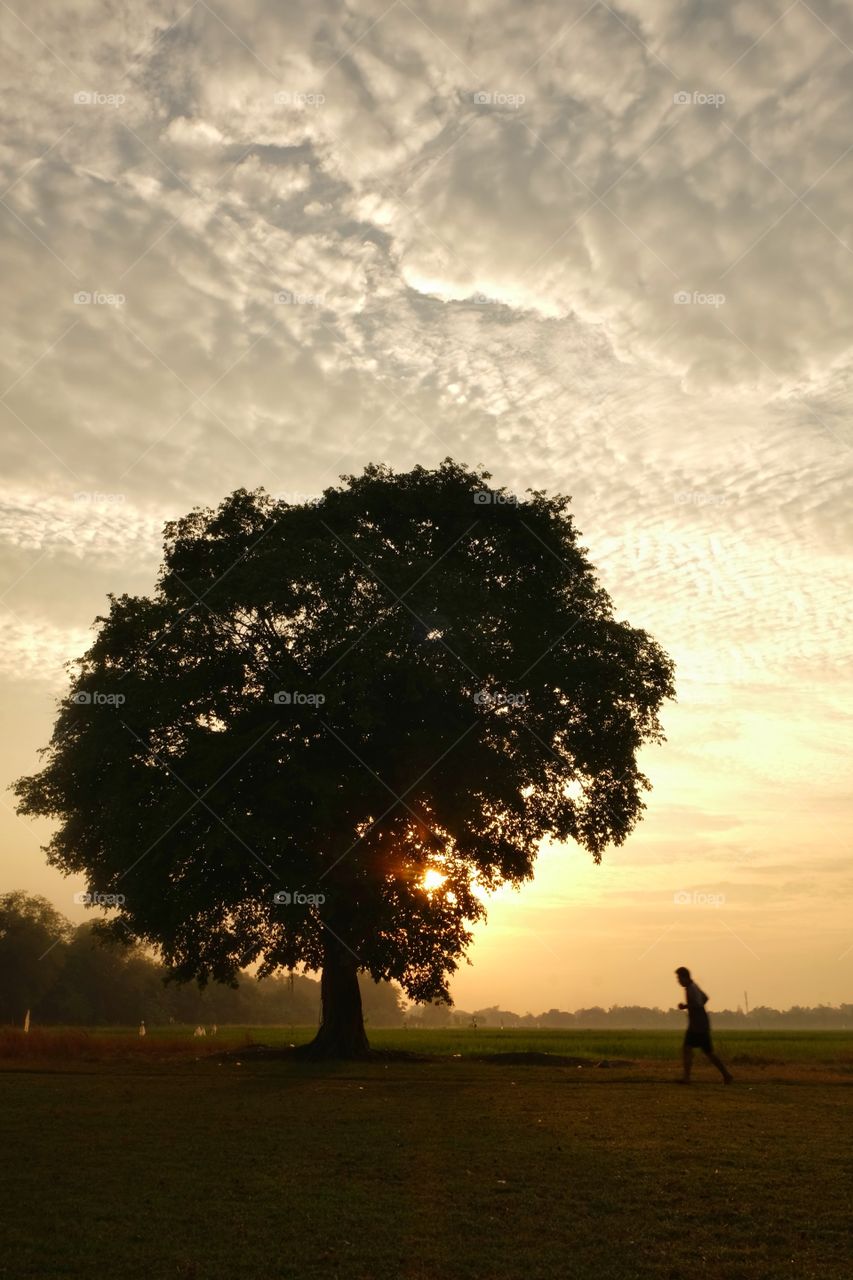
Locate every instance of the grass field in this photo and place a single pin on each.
(169, 1158)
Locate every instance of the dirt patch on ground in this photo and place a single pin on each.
(547, 1060)
(297, 1053)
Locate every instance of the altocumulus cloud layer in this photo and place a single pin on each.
(606, 250)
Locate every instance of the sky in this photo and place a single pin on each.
(602, 250)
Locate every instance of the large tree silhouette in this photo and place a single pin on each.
(321, 704)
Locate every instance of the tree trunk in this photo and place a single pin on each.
(341, 1033)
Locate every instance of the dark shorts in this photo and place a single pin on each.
(699, 1040)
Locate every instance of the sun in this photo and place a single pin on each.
(432, 880)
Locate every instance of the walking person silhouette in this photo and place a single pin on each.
(698, 1033)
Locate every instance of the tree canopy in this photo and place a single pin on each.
(334, 725)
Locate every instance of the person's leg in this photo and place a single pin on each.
(721, 1066)
(687, 1058)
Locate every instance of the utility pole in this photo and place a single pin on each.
(746, 1004)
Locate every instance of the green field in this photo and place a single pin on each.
(810, 1049)
(170, 1158)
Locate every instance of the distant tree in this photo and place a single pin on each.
(382, 1003)
(298, 1000)
(91, 989)
(494, 1016)
(33, 936)
(556, 1018)
(414, 674)
(593, 1017)
(434, 1014)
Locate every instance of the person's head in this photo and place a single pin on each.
(683, 975)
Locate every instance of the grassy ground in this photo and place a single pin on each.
(172, 1161)
(808, 1048)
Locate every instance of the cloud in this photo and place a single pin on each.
(273, 242)
(36, 649)
(85, 523)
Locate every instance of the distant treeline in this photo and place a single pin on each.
(65, 975)
(636, 1017)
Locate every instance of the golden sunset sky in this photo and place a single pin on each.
(603, 250)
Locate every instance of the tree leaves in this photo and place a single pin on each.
(335, 697)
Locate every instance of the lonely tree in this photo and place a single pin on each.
(334, 725)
